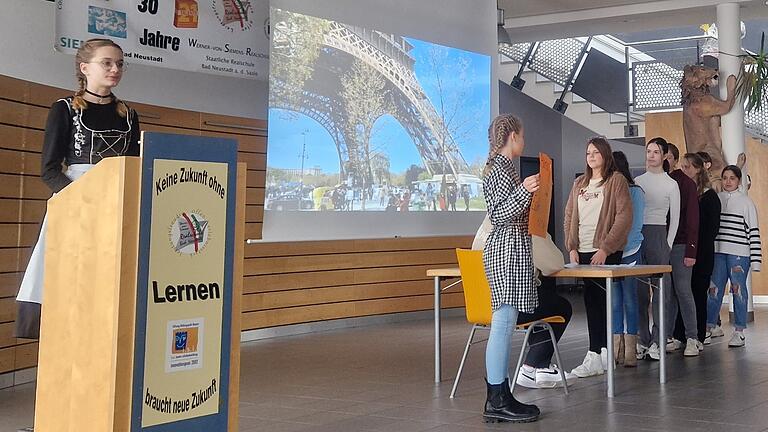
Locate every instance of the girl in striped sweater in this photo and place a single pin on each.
(737, 250)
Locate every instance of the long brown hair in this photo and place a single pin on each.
(85, 55)
(498, 133)
(609, 165)
(702, 177)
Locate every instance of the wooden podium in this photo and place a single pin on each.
(87, 379)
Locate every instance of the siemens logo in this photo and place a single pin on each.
(66, 42)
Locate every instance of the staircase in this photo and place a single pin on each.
(579, 109)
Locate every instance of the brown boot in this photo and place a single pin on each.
(618, 348)
(630, 350)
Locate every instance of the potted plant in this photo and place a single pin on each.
(752, 82)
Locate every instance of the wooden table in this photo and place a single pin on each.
(581, 271)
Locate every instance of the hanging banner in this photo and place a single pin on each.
(225, 37)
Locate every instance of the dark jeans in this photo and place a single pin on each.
(550, 304)
(594, 301)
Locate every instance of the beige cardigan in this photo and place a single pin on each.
(615, 219)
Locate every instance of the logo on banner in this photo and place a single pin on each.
(189, 233)
(107, 22)
(234, 14)
(185, 14)
(185, 350)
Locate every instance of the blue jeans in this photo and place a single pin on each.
(734, 268)
(503, 323)
(625, 298)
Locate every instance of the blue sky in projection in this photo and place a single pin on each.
(288, 132)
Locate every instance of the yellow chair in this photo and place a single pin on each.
(477, 300)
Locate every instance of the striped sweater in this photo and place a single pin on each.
(739, 233)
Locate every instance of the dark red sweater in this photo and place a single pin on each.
(688, 229)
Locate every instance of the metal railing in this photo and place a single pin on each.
(654, 72)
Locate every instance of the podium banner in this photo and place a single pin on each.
(224, 37)
(185, 283)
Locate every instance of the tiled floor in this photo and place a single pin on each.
(380, 379)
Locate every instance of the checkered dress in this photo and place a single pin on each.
(507, 255)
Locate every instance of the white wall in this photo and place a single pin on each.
(26, 49)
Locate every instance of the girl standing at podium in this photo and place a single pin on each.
(507, 257)
(81, 130)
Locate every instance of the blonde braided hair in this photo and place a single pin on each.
(85, 55)
(498, 133)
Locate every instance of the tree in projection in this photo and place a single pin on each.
(365, 99)
(450, 80)
(296, 43)
(380, 166)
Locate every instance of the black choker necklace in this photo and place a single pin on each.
(110, 95)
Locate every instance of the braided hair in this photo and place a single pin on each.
(498, 133)
(84, 55)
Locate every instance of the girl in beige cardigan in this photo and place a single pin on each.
(598, 218)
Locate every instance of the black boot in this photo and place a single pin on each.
(501, 406)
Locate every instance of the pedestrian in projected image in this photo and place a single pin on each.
(452, 197)
(508, 261)
(465, 196)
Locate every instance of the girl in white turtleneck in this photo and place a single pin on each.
(662, 198)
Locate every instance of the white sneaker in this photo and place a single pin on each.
(542, 378)
(691, 348)
(707, 337)
(549, 377)
(737, 340)
(642, 351)
(527, 377)
(604, 358)
(653, 351)
(718, 331)
(591, 366)
(674, 345)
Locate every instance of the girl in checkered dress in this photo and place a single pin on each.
(508, 262)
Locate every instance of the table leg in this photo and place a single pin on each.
(662, 334)
(438, 376)
(609, 331)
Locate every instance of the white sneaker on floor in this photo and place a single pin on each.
(527, 377)
(691, 348)
(540, 378)
(654, 352)
(737, 340)
(642, 351)
(718, 331)
(549, 377)
(591, 366)
(673, 345)
(707, 337)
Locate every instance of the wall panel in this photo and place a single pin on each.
(284, 283)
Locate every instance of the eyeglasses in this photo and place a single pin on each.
(109, 64)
